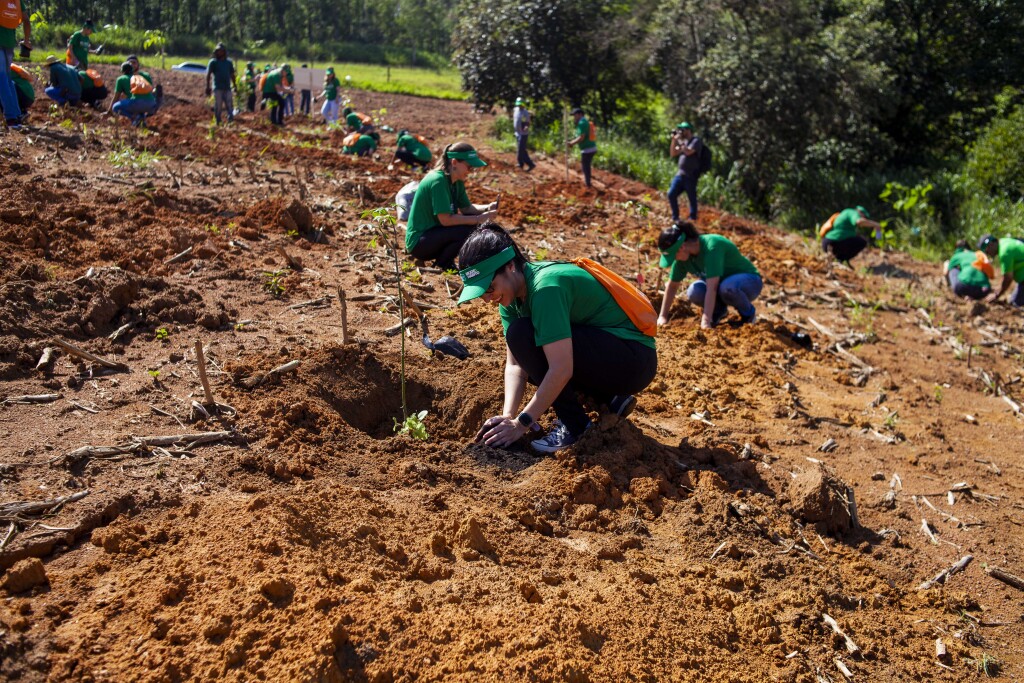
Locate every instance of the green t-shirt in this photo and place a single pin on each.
(24, 87)
(221, 70)
(365, 142)
(123, 86)
(8, 36)
(148, 97)
(415, 147)
(1011, 257)
(353, 120)
(331, 89)
(559, 295)
(583, 128)
(964, 259)
(844, 226)
(273, 79)
(79, 44)
(718, 257)
(434, 195)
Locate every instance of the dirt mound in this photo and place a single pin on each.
(280, 213)
(821, 498)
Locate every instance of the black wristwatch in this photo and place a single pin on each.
(527, 421)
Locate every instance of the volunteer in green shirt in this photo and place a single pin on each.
(842, 239)
(412, 150)
(14, 14)
(94, 91)
(65, 87)
(134, 95)
(23, 79)
(724, 276)
(78, 47)
(441, 216)
(249, 86)
(358, 121)
(1010, 252)
(275, 85)
(586, 139)
(968, 272)
(564, 333)
(330, 95)
(361, 145)
(222, 71)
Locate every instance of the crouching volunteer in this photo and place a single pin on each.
(360, 145)
(1010, 253)
(441, 216)
(569, 327)
(969, 272)
(134, 95)
(725, 277)
(839, 233)
(94, 90)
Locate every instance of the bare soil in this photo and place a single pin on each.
(704, 540)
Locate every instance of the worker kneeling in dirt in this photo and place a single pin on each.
(1010, 252)
(65, 86)
(360, 145)
(569, 327)
(412, 150)
(441, 216)
(93, 89)
(839, 233)
(968, 272)
(357, 121)
(134, 95)
(725, 277)
(22, 80)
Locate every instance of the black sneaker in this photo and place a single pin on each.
(623, 406)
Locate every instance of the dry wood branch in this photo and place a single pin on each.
(256, 381)
(821, 328)
(10, 512)
(395, 329)
(84, 407)
(9, 536)
(322, 301)
(32, 398)
(85, 355)
(851, 646)
(941, 577)
(191, 440)
(927, 530)
(345, 339)
(843, 669)
(1006, 577)
(293, 262)
(46, 359)
(201, 362)
(116, 334)
(179, 257)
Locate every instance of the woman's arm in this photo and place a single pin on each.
(710, 298)
(477, 209)
(449, 219)
(1003, 286)
(671, 289)
(515, 385)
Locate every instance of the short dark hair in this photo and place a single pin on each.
(578, 110)
(671, 234)
(484, 242)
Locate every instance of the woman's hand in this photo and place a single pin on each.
(486, 216)
(500, 431)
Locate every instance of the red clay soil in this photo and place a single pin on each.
(761, 490)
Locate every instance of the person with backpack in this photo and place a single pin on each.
(521, 124)
(694, 158)
(12, 15)
(134, 94)
(569, 327)
(221, 70)
(65, 87)
(276, 84)
(724, 276)
(839, 234)
(358, 122)
(360, 145)
(332, 101)
(22, 79)
(412, 150)
(94, 90)
(586, 138)
(441, 216)
(1009, 251)
(969, 273)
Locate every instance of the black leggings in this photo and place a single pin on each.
(844, 250)
(587, 159)
(442, 244)
(276, 104)
(603, 366)
(963, 289)
(409, 158)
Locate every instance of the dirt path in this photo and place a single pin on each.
(706, 540)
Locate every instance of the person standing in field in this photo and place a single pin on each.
(839, 234)
(332, 100)
(23, 80)
(12, 15)
(687, 148)
(222, 71)
(586, 138)
(249, 86)
(969, 272)
(305, 104)
(521, 124)
(1010, 253)
(275, 85)
(79, 47)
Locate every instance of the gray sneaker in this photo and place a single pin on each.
(623, 406)
(556, 439)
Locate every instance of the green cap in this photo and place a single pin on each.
(520, 101)
(330, 69)
(470, 157)
(669, 255)
(684, 126)
(477, 278)
(985, 241)
(864, 211)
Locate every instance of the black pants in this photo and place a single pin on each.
(251, 102)
(587, 159)
(844, 250)
(409, 158)
(276, 104)
(963, 289)
(522, 153)
(442, 244)
(603, 366)
(306, 102)
(93, 96)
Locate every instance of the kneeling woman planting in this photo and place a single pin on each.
(565, 332)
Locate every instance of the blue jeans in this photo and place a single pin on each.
(1018, 296)
(134, 109)
(963, 289)
(522, 154)
(736, 290)
(8, 94)
(680, 184)
(61, 95)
